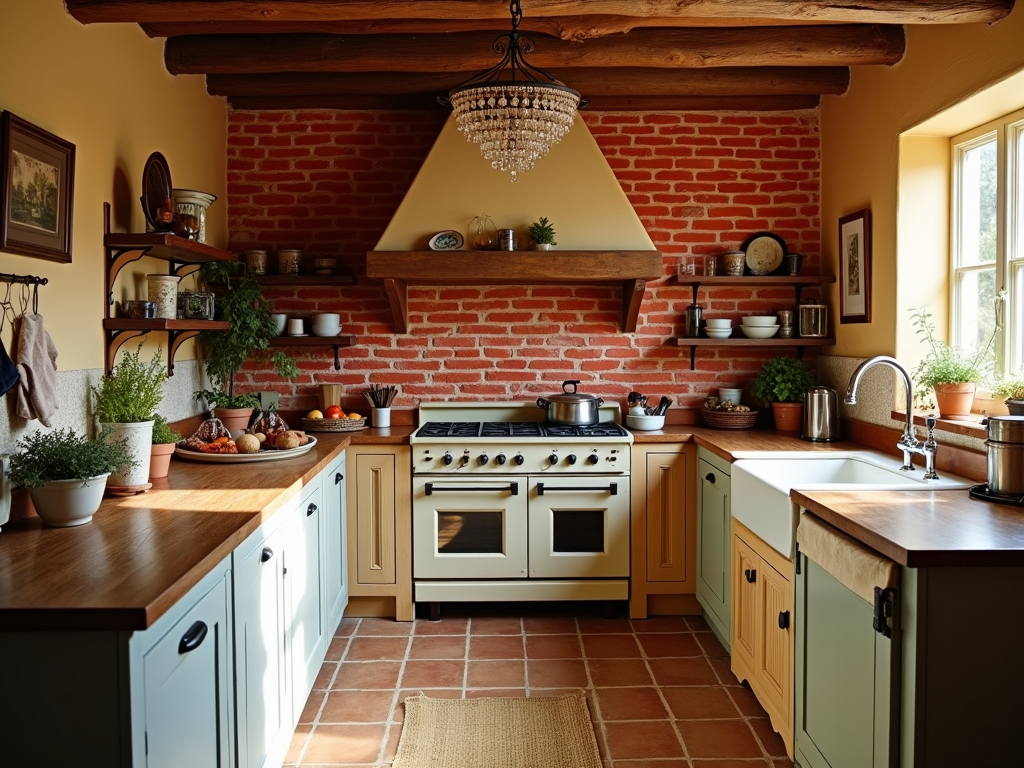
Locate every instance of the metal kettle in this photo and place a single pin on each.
(821, 415)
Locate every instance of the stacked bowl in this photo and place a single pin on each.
(718, 328)
(759, 326)
(327, 324)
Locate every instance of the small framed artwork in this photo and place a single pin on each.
(37, 195)
(855, 267)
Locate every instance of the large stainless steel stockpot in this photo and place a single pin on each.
(571, 409)
(1005, 446)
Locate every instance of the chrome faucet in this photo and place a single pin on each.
(908, 442)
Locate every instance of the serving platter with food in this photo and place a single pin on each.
(268, 441)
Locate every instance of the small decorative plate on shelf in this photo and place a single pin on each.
(449, 240)
(764, 252)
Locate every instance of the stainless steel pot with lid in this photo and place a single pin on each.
(571, 409)
(1005, 447)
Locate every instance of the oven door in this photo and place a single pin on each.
(579, 527)
(469, 527)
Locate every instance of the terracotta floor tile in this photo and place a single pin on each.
(438, 647)
(357, 707)
(723, 667)
(398, 713)
(650, 764)
(366, 675)
(496, 674)
(377, 649)
(384, 627)
(630, 704)
(337, 648)
(325, 676)
(486, 693)
(550, 625)
(610, 646)
(643, 740)
(458, 625)
(697, 623)
(312, 706)
(433, 674)
(553, 647)
(782, 763)
(556, 673)
(745, 700)
(662, 645)
(333, 744)
(496, 647)
(394, 735)
(710, 645)
(594, 625)
(347, 627)
(661, 624)
(770, 740)
(755, 763)
(692, 671)
(299, 739)
(495, 625)
(606, 672)
(697, 702)
(718, 738)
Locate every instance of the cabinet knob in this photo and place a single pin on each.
(783, 619)
(338, 477)
(266, 554)
(193, 638)
(310, 509)
(710, 477)
(750, 574)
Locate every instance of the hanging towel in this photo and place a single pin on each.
(37, 364)
(8, 371)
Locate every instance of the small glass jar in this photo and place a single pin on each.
(199, 306)
(693, 316)
(482, 234)
(710, 265)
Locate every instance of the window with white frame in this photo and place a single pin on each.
(987, 280)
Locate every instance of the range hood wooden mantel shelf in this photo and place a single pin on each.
(400, 269)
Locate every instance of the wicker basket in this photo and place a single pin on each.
(333, 425)
(729, 419)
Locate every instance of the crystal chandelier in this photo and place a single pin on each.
(515, 112)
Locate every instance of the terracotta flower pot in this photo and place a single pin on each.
(233, 419)
(788, 416)
(954, 400)
(160, 459)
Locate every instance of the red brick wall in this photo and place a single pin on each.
(329, 181)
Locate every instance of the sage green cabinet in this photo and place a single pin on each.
(714, 521)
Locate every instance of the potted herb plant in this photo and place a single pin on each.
(952, 373)
(1012, 389)
(244, 307)
(542, 235)
(783, 382)
(125, 401)
(164, 439)
(66, 473)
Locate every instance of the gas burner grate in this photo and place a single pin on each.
(604, 429)
(510, 429)
(449, 429)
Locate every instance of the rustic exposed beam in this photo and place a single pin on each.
(822, 11)
(728, 81)
(836, 45)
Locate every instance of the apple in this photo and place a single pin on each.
(314, 414)
(334, 412)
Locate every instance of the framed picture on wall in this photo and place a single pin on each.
(37, 195)
(855, 267)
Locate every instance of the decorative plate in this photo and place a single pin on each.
(764, 252)
(449, 240)
(156, 189)
(245, 458)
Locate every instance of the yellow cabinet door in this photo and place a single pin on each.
(776, 643)
(375, 518)
(746, 618)
(666, 517)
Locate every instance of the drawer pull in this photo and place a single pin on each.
(750, 574)
(266, 554)
(310, 509)
(193, 638)
(612, 488)
(783, 619)
(338, 477)
(429, 489)
(710, 477)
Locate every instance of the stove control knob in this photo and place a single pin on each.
(447, 458)
(519, 459)
(500, 458)
(553, 459)
(571, 458)
(593, 459)
(465, 460)
(483, 459)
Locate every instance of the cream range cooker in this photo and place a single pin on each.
(507, 507)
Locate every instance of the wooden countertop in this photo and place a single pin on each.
(140, 554)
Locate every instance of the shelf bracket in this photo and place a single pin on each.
(337, 360)
(116, 261)
(174, 340)
(693, 357)
(398, 296)
(632, 297)
(114, 341)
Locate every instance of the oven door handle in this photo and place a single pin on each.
(512, 488)
(613, 488)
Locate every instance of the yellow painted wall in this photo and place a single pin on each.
(105, 89)
(573, 186)
(861, 132)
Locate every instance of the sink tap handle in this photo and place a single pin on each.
(931, 448)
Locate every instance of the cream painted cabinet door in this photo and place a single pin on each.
(375, 518)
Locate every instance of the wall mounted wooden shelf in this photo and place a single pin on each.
(337, 342)
(119, 330)
(400, 269)
(796, 343)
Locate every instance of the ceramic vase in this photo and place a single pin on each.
(788, 416)
(162, 290)
(1015, 407)
(954, 401)
(160, 459)
(139, 438)
(67, 503)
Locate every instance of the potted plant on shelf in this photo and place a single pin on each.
(66, 473)
(952, 373)
(125, 401)
(542, 235)
(164, 439)
(244, 307)
(1012, 389)
(783, 382)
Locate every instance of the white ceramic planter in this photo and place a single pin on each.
(66, 503)
(139, 437)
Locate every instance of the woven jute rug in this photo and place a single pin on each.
(546, 732)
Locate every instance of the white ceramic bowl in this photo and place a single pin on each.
(320, 330)
(718, 323)
(760, 331)
(760, 320)
(645, 422)
(718, 333)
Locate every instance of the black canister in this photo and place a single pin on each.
(693, 315)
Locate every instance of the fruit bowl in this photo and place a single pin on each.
(333, 425)
(759, 331)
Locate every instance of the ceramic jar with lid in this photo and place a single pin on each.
(255, 262)
(163, 291)
(288, 261)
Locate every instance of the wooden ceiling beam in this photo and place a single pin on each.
(821, 11)
(592, 83)
(835, 45)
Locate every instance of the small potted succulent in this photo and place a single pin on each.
(164, 439)
(782, 382)
(952, 373)
(1012, 389)
(66, 473)
(542, 235)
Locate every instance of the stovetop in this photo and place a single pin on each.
(518, 430)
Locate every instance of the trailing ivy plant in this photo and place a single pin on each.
(63, 454)
(132, 390)
(945, 364)
(244, 307)
(782, 380)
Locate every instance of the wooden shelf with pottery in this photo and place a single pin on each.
(400, 269)
(795, 342)
(336, 342)
(799, 282)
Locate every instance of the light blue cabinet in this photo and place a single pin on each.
(306, 632)
(333, 485)
(714, 521)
